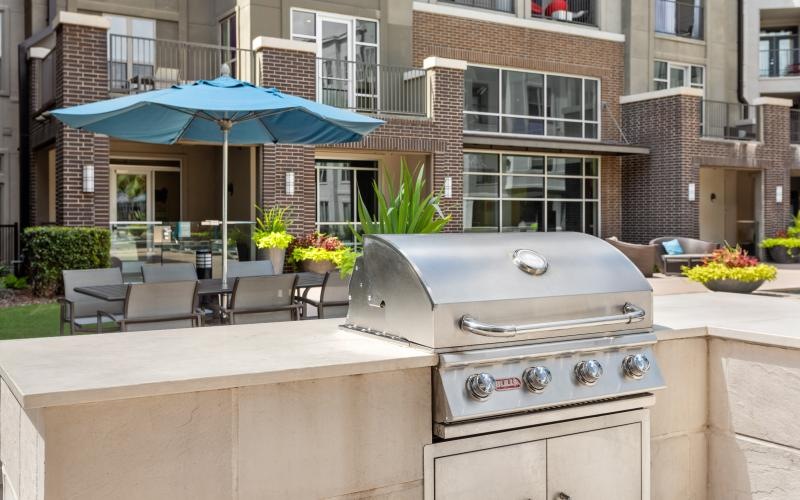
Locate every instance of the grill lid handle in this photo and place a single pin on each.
(630, 314)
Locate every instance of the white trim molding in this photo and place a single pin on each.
(659, 94)
(772, 101)
(441, 62)
(79, 19)
(510, 20)
(268, 42)
(38, 52)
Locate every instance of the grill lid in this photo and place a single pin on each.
(418, 286)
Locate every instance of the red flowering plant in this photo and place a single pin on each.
(318, 247)
(732, 257)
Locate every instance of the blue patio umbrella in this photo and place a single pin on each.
(221, 111)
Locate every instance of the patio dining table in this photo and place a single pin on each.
(206, 287)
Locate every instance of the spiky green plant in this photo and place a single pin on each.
(403, 210)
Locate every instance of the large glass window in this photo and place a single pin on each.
(527, 103)
(778, 52)
(338, 185)
(680, 18)
(520, 192)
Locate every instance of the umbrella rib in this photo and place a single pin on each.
(266, 128)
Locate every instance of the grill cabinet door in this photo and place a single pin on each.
(515, 472)
(602, 464)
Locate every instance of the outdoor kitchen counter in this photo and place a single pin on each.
(93, 368)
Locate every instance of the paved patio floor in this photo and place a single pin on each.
(788, 278)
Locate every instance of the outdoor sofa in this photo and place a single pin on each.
(642, 256)
(694, 252)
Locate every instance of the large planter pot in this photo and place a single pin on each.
(733, 286)
(783, 255)
(320, 266)
(276, 256)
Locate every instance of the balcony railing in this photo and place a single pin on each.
(775, 63)
(794, 126)
(506, 6)
(725, 120)
(47, 82)
(680, 18)
(140, 64)
(372, 88)
(578, 11)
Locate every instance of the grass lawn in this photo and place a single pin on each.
(21, 322)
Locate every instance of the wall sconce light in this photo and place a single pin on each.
(713, 197)
(448, 187)
(691, 193)
(778, 194)
(289, 183)
(88, 178)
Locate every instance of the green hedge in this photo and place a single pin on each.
(48, 250)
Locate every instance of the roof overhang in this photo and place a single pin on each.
(553, 145)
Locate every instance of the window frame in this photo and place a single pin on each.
(4, 59)
(545, 199)
(687, 78)
(353, 181)
(500, 114)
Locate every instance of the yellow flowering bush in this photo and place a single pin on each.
(719, 271)
(273, 240)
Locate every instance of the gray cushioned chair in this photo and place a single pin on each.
(263, 299)
(159, 273)
(157, 306)
(79, 311)
(694, 252)
(642, 256)
(333, 297)
(237, 269)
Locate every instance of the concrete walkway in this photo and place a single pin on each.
(788, 278)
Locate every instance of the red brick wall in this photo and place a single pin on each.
(655, 187)
(610, 197)
(81, 77)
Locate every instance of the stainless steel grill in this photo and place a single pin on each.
(523, 322)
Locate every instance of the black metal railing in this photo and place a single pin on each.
(577, 11)
(9, 245)
(775, 63)
(372, 88)
(139, 64)
(794, 126)
(680, 18)
(506, 6)
(726, 120)
(46, 92)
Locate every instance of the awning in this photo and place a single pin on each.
(553, 145)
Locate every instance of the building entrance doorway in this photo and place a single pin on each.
(731, 207)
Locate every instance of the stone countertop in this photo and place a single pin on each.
(61, 371)
(757, 319)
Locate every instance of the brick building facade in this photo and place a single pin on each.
(655, 187)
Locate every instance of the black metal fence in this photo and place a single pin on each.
(680, 18)
(372, 88)
(578, 11)
(139, 64)
(726, 120)
(498, 5)
(794, 126)
(9, 244)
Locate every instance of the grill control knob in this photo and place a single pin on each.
(588, 372)
(480, 386)
(635, 365)
(536, 378)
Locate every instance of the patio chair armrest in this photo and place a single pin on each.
(100, 315)
(66, 305)
(306, 300)
(251, 310)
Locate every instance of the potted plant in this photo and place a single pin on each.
(271, 236)
(319, 253)
(731, 270)
(782, 249)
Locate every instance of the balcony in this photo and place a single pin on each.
(777, 63)
(372, 88)
(725, 120)
(680, 18)
(141, 64)
(506, 6)
(573, 11)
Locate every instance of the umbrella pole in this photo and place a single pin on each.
(225, 126)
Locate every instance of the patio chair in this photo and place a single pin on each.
(333, 297)
(243, 269)
(263, 299)
(642, 256)
(694, 252)
(79, 310)
(157, 306)
(159, 273)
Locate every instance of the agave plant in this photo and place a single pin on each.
(404, 210)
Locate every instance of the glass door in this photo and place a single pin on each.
(336, 60)
(131, 197)
(778, 52)
(145, 194)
